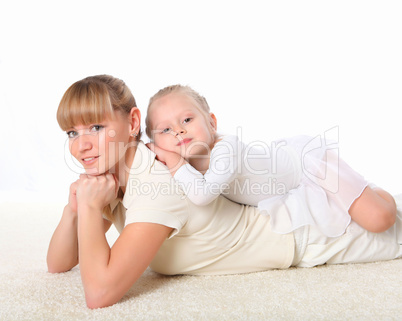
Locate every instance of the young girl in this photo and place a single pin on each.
(125, 185)
(303, 173)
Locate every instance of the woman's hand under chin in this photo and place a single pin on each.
(96, 191)
(72, 198)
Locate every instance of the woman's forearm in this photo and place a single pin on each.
(93, 249)
(107, 274)
(62, 254)
(94, 252)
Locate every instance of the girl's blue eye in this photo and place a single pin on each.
(187, 120)
(165, 131)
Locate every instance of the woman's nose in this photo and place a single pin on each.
(84, 142)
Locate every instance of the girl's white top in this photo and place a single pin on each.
(303, 173)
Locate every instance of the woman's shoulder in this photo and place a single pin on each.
(150, 184)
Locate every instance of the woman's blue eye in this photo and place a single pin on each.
(72, 134)
(92, 129)
(96, 128)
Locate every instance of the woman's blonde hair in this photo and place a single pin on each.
(92, 100)
(200, 101)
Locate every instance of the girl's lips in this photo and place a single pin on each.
(184, 141)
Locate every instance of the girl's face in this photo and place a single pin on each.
(101, 148)
(179, 126)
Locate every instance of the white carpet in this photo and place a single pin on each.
(28, 292)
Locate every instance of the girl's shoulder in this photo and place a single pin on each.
(227, 139)
(227, 144)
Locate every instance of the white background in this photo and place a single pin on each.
(273, 68)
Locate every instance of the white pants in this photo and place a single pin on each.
(356, 245)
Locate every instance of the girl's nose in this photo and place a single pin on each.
(180, 131)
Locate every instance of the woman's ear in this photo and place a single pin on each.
(135, 121)
(213, 122)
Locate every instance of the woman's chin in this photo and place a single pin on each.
(93, 171)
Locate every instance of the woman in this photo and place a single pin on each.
(159, 227)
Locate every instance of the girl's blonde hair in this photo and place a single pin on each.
(92, 100)
(200, 102)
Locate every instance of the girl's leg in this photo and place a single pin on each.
(375, 210)
(357, 245)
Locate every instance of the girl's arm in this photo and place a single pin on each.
(203, 189)
(108, 273)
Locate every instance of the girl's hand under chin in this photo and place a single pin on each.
(96, 191)
(172, 160)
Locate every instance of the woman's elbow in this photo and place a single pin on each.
(96, 304)
(52, 269)
(55, 266)
(99, 298)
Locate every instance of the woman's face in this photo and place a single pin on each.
(101, 148)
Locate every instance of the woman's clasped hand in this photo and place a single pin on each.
(95, 192)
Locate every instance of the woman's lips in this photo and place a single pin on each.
(89, 160)
(184, 141)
